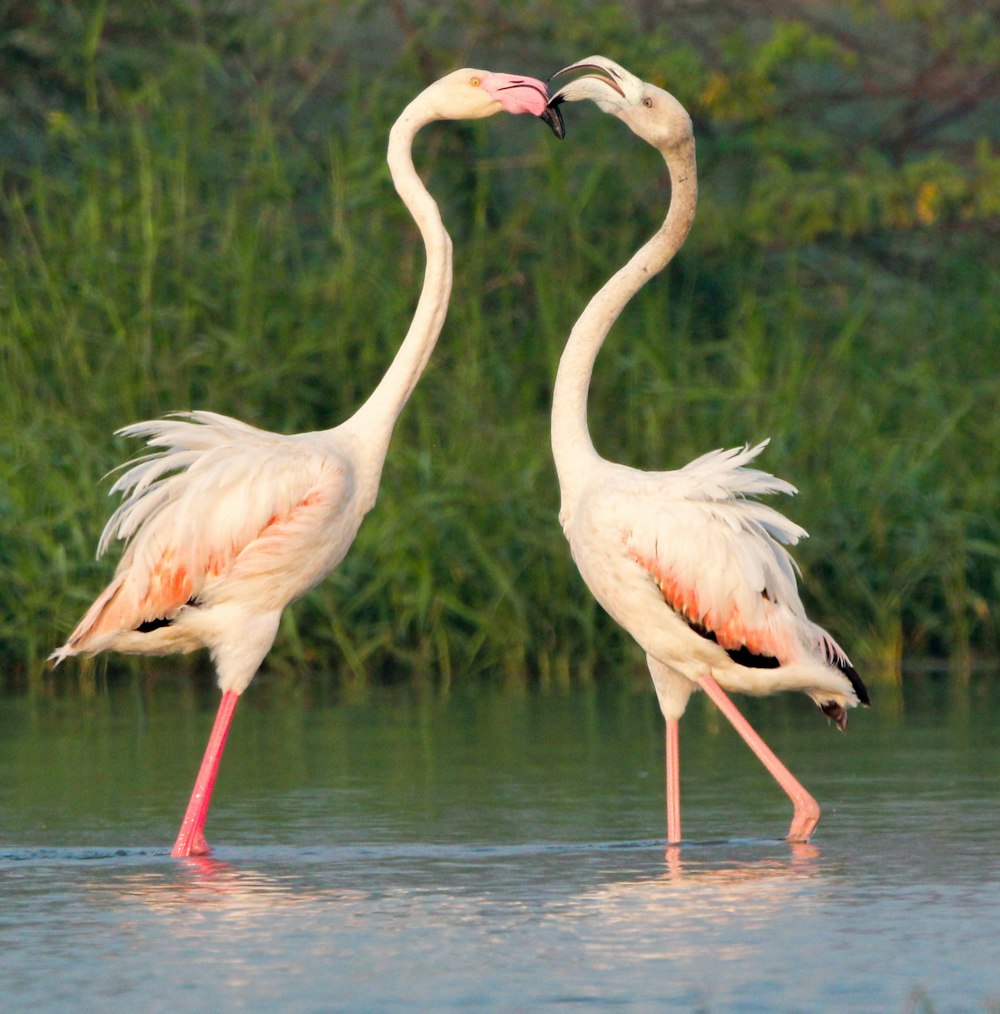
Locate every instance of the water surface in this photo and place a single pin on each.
(499, 850)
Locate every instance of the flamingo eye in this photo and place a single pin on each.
(475, 82)
(647, 102)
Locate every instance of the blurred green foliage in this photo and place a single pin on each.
(195, 212)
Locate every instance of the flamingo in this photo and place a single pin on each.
(688, 561)
(226, 524)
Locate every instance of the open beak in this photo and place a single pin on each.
(606, 71)
(605, 82)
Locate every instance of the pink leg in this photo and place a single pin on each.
(673, 783)
(806, 810)
(191, 838)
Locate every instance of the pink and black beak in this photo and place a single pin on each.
(553, 117)
(549, 114)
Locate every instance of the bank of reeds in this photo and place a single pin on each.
(184, 249)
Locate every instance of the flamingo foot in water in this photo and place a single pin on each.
(192, 844)
(804, 819)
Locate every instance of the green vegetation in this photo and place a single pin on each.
(194, 212)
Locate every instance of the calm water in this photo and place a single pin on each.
(501, 851)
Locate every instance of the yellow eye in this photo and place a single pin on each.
(474, 82)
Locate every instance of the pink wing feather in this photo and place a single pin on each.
(220, 494)
(718, 556)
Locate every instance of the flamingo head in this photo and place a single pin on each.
(652, 113)
(471, 94)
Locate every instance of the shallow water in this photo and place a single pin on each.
(498, 851)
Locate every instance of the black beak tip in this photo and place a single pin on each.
(553, 117)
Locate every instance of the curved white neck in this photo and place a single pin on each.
(374, 421)
(571, 444)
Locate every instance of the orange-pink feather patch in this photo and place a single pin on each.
(726, 624)
(170, 583)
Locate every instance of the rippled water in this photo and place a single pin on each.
(498, 851)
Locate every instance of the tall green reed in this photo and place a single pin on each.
(220, 238)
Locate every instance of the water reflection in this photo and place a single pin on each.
(495, 852)
(803, 859)
(233, 891)
(619, 882)
(700, 891)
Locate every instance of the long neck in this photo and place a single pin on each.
(571, 443)
(374, 420)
